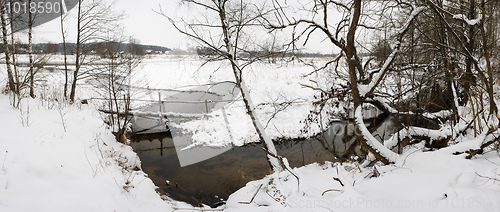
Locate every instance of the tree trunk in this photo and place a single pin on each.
(364, 136)
(16, 76)
(78, 54)
(12, 83)
(351, 53)
(30, 53)
(64, 54)
(493, 106)
(267, 143)
(468, 77)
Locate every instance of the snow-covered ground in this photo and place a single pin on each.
(58, 157)
(424, 181)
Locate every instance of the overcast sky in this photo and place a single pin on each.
(142, 23)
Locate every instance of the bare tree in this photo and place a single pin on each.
(30, 52)
(362, 81)
(12, 22)
(461, 45)
(95, 19)
(473, 42)
(65, 52)
(113, 81)
(229, 22)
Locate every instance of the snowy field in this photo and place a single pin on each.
(58, 157)
(282, 103)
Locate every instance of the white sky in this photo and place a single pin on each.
(142, 23)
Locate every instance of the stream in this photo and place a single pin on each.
(211, 181)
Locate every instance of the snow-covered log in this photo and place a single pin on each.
(383, 104)
(412, 132)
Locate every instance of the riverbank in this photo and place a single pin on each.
(424, 181)
(58, 157)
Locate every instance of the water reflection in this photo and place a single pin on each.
(213, 180)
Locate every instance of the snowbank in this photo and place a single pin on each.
(425, 181)
(64, 159)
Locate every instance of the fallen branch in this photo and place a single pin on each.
(251, 200)
(322, 194)
(195, 209)
(338, 180)
(474, 152)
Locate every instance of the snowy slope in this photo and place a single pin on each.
(64, 159)
(57, 157)
(425, 181)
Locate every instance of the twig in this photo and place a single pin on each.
(322, 194)
(4, 159)
(338, 180)
(251, 200)
(62, 119)
(196, 209)
(490, 178)
(492, 162)
(88, 161)
(277, 200)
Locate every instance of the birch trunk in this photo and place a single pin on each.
(12, 83)
(14, 64)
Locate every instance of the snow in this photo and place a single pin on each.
(432, 134)
(65, 159)
(58, 157)
(372, 141)
(466, 20)
(427, 181)
(272, 88)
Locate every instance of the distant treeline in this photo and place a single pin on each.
(265, 53)
(91, 48)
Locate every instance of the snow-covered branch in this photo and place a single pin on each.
(367, 89)
(470, 22)
(413, 132)
(371, 141)
(381, 102)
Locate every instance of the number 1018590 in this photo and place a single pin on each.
(33, 7)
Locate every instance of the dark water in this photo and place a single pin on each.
(212, 181)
